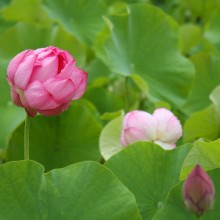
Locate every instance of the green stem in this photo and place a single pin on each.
(26, 137)
(126, 95)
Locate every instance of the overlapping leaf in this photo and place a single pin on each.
(25, 10)
(145, 41)
(149, 172)
(11, 118)
(204, 123)
(204, 153)
(207, 78)
(62, 140)
(82, 18)
(79, 191)
(109, 140)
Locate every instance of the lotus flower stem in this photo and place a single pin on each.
(126, 94)
(26, 137)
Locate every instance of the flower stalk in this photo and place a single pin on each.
(26, 137)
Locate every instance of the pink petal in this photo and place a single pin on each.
(168, 126)
(24, 71)
(21, 101)
(48, 69)
(37, 97)
(15, 97)
(66, 56)
(67, 71)
(165, 146)
(43, 52)
(62, 90)
(61, 62)
(142, 121)
(55, 111)
(79, 78)
(69, 57)
(122, 139)
(40, 50)
(14, 64)
(132, 135)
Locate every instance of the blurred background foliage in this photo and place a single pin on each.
(139, 54)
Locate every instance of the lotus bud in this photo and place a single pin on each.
(45, 80)
(198, 191)
(162, 127)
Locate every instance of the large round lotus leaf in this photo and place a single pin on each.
(25, 10)
(205, 123)
(149, 172)
(61, 140)
(109, 140)
(104, 100)
(4, 88)
(190, 37)
(204, 153)
(22, 37)
(202, 124)
(11, 118)
(82, 191)
(97, 70)
(144, 41)
(207, 78)
(82, 18)
(174, 207)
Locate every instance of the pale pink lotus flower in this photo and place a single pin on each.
(45, 80)
(198, 191)
(162, 128)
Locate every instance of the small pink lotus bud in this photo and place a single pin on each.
(45, 80)
(162, 128)
(198, 191)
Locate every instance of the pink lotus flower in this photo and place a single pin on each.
(162, 127)
(198, 191)
(45, 80)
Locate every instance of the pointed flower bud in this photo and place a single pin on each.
(198, 191)
(162, 128)
(45, 80)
